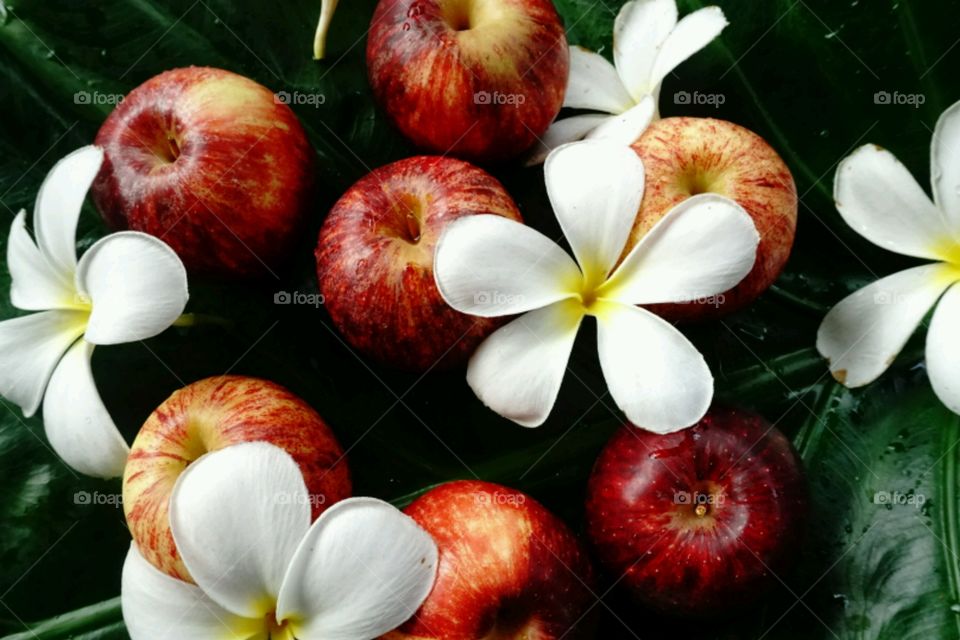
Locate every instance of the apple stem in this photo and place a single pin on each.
(195, 319)
(320, 39)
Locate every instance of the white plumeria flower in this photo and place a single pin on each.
(488, 266)
(241, 521)
(128, 286)
(880, 200)
(648, 43)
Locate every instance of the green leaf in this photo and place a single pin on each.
(802, 73)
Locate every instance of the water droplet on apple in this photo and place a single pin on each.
(406, 26)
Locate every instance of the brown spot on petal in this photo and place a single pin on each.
(840, 375)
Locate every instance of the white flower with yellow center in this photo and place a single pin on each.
(241, 521)
(128, 286)
(490, 266)
(648, 43)
(880, 200)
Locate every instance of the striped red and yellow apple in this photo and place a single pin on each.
(683, 157)
(375, 261)
(478, 79)
(213, 164)
(509, 569)
(209, 415)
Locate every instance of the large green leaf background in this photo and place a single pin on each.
(802, 73)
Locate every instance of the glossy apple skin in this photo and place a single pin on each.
(673, 559)
(687, 156)
(431, 62)
(375, 261)
(211, 163)
(509, 569)
(209, 415)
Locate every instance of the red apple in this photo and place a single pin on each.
(699, 521)
(509, 569)
(209, 415)
(480, 79)
(213, 164)
(687, 156)
(375, 260)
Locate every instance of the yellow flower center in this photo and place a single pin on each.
(278, 630)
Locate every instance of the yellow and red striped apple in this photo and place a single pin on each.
(509, 569)
(683, 157)
(210, 415)
(213, 164)
(375, 261)
(479, 79)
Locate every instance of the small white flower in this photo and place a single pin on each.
(648, 43)
(880, 200)
(241, 521)
(128, 286)
(488, 265)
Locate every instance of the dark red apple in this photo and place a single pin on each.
(683, 157)
(509, 569)
(213, 164)
(700, 521)
(375, 261)
(480, 79)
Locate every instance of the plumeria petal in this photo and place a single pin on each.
(881, 201)
(595, 187)
(136, 284)
(488, 265)
(945, 167)
(654, 374)
(30, 348)
(943, 350)
(863, 334)
(237, 517)
(627, 127)
(158, 607)
(703, 246)
(594, 84)
(362, 570)
(35, 284)
(640, 29)
(327, 9)
(691, 34)
(563, 131)
(77, 423)
(59, 203)
(518, 370)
